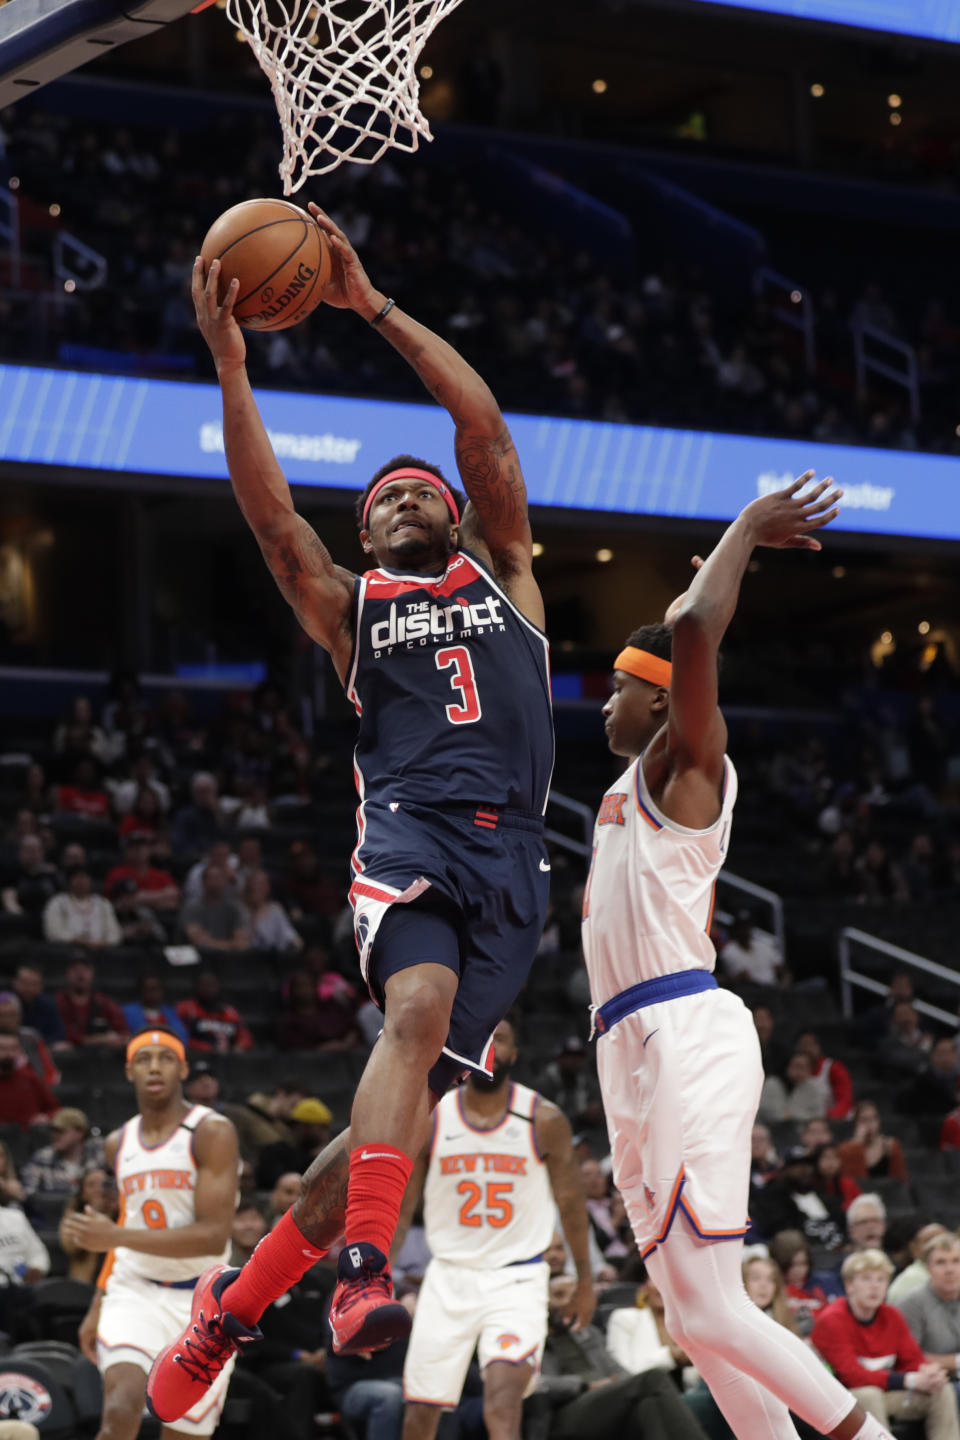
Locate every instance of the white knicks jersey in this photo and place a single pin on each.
(487, 1200)
(156, 1185)
(648, 901)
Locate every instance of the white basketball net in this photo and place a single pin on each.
(343, 75)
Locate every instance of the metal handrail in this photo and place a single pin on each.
(909, 377)
(850, 978)
(67, 250)
(586, 816)
(800, 314)
(10, 231)
(769, 897)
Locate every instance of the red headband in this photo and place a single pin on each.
(409, 473)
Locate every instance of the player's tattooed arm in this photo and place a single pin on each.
(318, 592)
(411, 1199)
(320, 1210)
(555, 1143)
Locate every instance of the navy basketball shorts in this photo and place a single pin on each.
(467, 888)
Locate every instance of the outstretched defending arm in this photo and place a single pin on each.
(486, 457)
(319, 592)
(696, 733)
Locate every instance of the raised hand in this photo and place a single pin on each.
(217, 324)
(784, 519)
(349, 287)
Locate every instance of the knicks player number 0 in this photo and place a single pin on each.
(154, 1215)
(497, 1207)
(463, 679)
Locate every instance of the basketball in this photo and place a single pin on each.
(280, 257)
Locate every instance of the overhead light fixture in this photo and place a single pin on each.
(816, 91)
(604, 556)
(599, 87)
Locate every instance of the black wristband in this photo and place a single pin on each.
(383, 313)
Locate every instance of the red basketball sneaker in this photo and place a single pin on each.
(183, 1372)
(363, 1313)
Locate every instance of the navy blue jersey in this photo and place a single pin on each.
(452, 686)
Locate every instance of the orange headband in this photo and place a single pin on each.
(645, 666)
(157, 1037)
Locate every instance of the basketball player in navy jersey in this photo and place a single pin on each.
(441, 650)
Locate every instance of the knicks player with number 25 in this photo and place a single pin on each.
(441, 649)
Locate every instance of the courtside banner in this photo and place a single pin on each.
(160, 427)
(931, 19)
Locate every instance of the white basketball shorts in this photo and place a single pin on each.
(681, 1084)
(137, 1319)
(503, 1313)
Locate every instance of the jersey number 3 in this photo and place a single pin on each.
(457, 658)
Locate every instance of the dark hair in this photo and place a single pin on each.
(656, 639)
(402, 462)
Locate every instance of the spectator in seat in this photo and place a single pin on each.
(199, 824)
(933, 1311)
(265, 921)
(791, 1251)
(908, 1044)
(773, 1053)
(367, 1390)
(801, 1098)
(203, 1085)
(33, 1051)
(311, 1024)
(817, 1132)
(89, 1017)
(638, 1339)
(764, 1283)
(262, 1119)
(11, 1190)
(285, 1192)
(78, 736)
(950, 1131)
(915, 1274)
(869, 1153)
(568, 1081)
(830, 1179)
(601, 1208)
(24, 1097)
(78, 916)
(55, 1168)
(867, 1223)
(96, 1188)
(764, 1160)
(215, 922)
(143, 883)
(310, 1122)
(752, 956)
(39, 1010)
(33, 882)
(868, 1345)
(881, 881)
(934, 1089)
(307, 888)
(584, 1391)
(24, 1259)
(151, 1008)
(791, 1201)
(218, 854)
(249, 1228)
(212, 1025)
(84, 797)
(143, 776)
(146, 816)
(833, 1075)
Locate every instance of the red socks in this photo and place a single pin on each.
(281, 1259)
(378, 1178)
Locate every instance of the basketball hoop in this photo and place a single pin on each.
(343, 75)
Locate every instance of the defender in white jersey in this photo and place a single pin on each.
(678, 1058)
(177, 1166)
(498, 1166)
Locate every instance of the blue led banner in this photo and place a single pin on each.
(931, 19)
(161, 427)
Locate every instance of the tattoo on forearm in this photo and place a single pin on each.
(295, 562)
(320, 1211)
(491, 475)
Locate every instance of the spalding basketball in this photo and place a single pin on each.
(279, 255)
